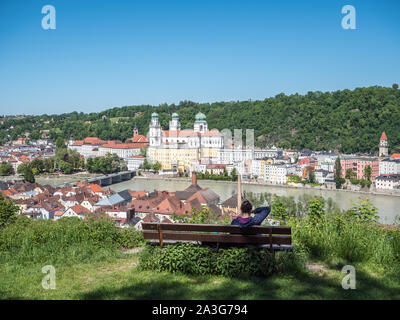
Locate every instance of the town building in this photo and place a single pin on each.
(389, 166)
(388, 182)
(176, 149)
(358, 165)
(277, 173)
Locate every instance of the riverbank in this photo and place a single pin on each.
(54, 179)
(261, 184)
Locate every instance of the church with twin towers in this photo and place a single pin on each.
(177, 148)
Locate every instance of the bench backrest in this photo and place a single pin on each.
(271, 235)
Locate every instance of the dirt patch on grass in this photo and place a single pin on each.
(132, 251)
(316, 267)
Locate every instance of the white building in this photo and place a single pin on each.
(276, 173)
(231, 156)
(322, 175)
(267, 153)
(199, 137)
(94, 147)
(389, 166)
(133, 162)
(389, 182)
(122, 150)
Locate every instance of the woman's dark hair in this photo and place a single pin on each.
(246, 206)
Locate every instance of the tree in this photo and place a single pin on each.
(145, 165)
(65, 167)
(143, 152)
(350, 173)
(37, 166)
(234, 174)
(156, 166)
(311, 174)
(338, 174)
(395, 86)
(316, 208)
(363, 211)
(278, 209)
(60, 143)
(28, 175)
(6, 169)
(8, 211)
(22, 168)
(368, 172)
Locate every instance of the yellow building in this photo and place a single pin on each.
(178, 149)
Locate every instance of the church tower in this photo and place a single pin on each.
(200, 124)
(155, 131)
(383, 146)
(135, 132)
(174, 124)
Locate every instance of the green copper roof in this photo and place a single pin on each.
(175, 115)
(200, 116)
(154, 115)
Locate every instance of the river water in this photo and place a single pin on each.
(388, 206)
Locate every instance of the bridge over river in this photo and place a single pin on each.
(110, 179)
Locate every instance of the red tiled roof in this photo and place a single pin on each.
(140, 138)
(212, 133)
(216, 166)
(180, 133)
(383, 136)
(139, 157)
(137, 194)
(95, 188)
(124, 145)
(78, 209)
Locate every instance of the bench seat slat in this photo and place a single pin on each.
(224, 238)
(216, 228)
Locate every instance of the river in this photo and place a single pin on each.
(388, 206)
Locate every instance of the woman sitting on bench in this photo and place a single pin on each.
(246, 220)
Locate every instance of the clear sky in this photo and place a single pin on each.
(106, 54)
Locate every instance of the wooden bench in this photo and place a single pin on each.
(272, 237)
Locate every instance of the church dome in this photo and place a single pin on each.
(175, 115)
(154, 115)
(200, 117)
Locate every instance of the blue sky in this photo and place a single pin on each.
(106, 54)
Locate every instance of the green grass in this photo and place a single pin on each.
(119, 278)
(90, 265)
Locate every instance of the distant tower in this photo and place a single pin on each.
(200, 125)
(135, 132)
(174, 124)
(383, 146)
(155, 131)
(239, 193)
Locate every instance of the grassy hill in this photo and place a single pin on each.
(119, 278)
(91, 263)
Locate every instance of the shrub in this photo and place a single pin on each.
(195, 260)
(238, 262)
(347, 237)
(130, 238)
(182, 257)
(364, 211)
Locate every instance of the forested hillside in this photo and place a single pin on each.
(345, 120)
